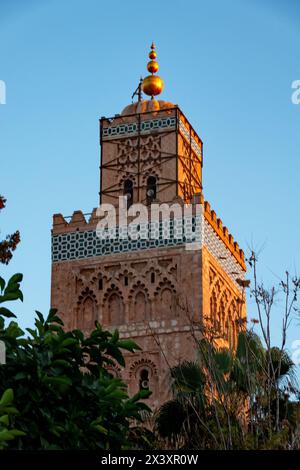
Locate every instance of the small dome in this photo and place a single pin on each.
(146, 106)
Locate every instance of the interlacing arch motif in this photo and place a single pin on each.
(166, 299)
(155, 172)
(127, 151)
(86, 293)
(139, 296)
(86, 310)
(223, 309)
(141, 363)
(116, 311)
(127, 176)
(165, 282)
(148, 149)
(113, 288)
(137, 287)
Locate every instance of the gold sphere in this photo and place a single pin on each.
(152, 85)
(152, 55)
(152, 66)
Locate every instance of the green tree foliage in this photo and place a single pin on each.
(7, 410)
(222, 400)
(9, 244)
(65, 395)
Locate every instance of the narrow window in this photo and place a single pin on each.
(151, 189)
(144, 380)
(128, 192)
(126, 280)
(152, 278)
(100, 283)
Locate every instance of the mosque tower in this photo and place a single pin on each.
(181, 274)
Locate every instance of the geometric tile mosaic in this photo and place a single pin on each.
(217, 248)
(90, 243)
(189, 138)
(147, 126)
(129, 129)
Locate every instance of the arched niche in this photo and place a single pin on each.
(87, 313)
(167, 303)
(141, 307)
(115, 306)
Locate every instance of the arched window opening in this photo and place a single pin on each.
(128, 192)
(126, 281)
(152, 278)
(151, 189)
(100, 285)
(144, 380)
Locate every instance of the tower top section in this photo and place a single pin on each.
(152, 85)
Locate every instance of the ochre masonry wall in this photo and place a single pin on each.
(155, 291)
(159, 144)
(151, 294)
(145, 295)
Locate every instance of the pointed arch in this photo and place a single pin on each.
(141, 310)
(115, 309)
(165, 297)
(86, 310)
(140, 302)
(113, 306)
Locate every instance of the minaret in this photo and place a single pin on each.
(153, 290)
(150, 147)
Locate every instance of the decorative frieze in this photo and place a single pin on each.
(134, 128)
(87, 244)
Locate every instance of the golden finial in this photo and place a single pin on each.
(152, 84)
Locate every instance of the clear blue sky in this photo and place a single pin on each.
(229, 65)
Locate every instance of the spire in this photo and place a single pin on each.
(152, 84)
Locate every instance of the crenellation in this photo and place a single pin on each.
(207, 208)
(213, 216)
(223, 233)
(78, 220)
(59, 223)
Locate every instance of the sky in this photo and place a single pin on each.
(228, 65)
